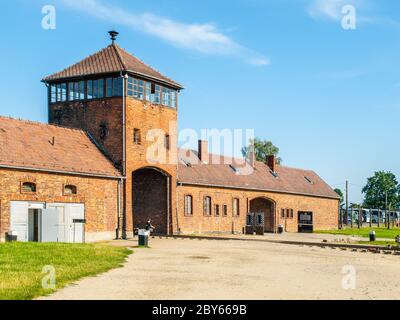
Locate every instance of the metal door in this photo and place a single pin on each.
(49, 225)
(19, 219)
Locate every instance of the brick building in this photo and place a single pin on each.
(108, 160)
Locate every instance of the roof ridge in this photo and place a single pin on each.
(41, 123)
(117, 48)
(146, 64)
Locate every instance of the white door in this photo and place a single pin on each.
(76, 213)
(63, 221)
(19, 219)
(49, 225)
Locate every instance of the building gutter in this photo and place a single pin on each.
(254, 189)
(122, 217)
(72, 173)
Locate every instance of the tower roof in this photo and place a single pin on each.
(111, 59)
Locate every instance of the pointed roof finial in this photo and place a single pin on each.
(113, 35)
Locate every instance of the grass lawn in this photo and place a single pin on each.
(364, 232)
(21, 265)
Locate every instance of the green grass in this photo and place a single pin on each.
(364, 232)
(21, 265)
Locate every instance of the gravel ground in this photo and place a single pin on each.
(215, 269)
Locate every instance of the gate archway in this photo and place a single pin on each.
(151, 199)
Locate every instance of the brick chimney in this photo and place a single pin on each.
(203, 151)
(271, 162)
(252, 156)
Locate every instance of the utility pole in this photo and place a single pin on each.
(386, 211)
(347, 203)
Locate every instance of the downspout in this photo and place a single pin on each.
(123, 216)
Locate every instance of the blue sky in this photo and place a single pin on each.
(328, 97)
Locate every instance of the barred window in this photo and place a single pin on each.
(188, 205)
(217, 210)
(225, 210)
(236, 208)
(207, 206)
(137, 139)
(28, 187)
(70, 190)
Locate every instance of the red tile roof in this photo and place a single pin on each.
(40, 146)
(111, 59)
(220, 171)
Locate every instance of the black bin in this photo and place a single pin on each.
(11, 237)
(144, 238)
(280, 229)
(372, 236)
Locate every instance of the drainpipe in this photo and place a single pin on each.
(123, 216)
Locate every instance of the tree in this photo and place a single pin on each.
(262, 148)
(340, 194)
(377, 187)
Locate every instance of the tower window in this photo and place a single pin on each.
(103, 130)
(109, 87)
(53, 93)
(81, 90)
(28, 187)
(117, 87)
(137, 139)
(166, 97)
(188, 205)
(70, 190)
(90, 89)
(157, 94)
(167, 142)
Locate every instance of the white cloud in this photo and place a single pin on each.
(204, 38)
(331, 9)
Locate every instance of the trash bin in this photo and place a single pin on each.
(280, 229)
(11, 236)
(144, 238)
(372, 236)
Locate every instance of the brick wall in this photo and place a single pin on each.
(99, 196)
(325, 210)
(93, 115)
(146, 116)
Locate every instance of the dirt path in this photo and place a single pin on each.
(205, 269)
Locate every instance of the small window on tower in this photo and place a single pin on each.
(100, 91)
(217, 210)
(167, 142)
(109, 87)
(137, 139)
(90, 89)
(53, 93)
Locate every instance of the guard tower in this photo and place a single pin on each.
(129, 110)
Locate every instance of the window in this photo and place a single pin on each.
(117, 87)
(71, 88)
(28, 187)
(173, 98)
(225, 210)
(207, 206)
(236, 207)
(137, 139)
(166, 97)
(81, 90)
(109, 87)
(136, 88)
(103, 130)
(63, 92)
(149, 91)
(53, 93)
(217, 210)
(157, 94)
(283, 213)
(291, 214)
(287, 213)
(70, 190)
(167, 142)
(90, 89)
(188, 205)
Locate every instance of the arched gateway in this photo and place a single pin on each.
(151, 199)
(267, 207)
